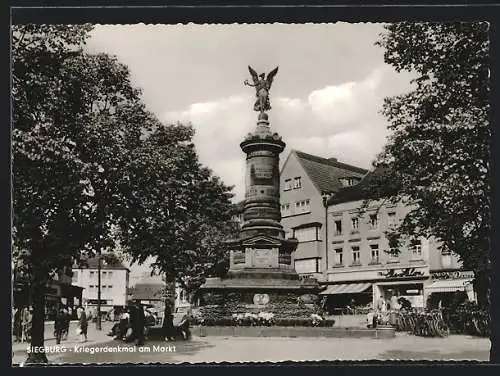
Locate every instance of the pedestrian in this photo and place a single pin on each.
(59, 324)
(82, 324)
(17, 325)
(26, 318)
(168, 325)
(140, 324)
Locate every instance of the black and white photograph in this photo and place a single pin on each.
(259, 192)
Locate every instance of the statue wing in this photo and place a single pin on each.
(255, 76)
(270, 76)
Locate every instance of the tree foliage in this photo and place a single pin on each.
(183, 212)
(438, 153)
(92, 166)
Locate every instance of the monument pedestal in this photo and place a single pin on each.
(261, 277)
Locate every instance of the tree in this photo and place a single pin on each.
(76, 119)
(438, 155)
(182, 211)
(48, 198)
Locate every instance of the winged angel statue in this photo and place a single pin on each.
(262, 86)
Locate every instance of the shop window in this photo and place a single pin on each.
(356, 256)
(307, 234)
(338, 257)
(288, 184)
(297, 184)
(373, 221)
(375, 254)
(391, 219)
(355, 224)
(338, 227)
(285, 210)
(416, 250)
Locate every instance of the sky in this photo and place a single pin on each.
(326, 98)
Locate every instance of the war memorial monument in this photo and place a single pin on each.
(261, 276)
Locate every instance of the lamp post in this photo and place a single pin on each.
(98, 319)
(326, 196)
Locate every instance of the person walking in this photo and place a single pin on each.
(82, 324)
(59, 325)
(140, 324)
(168, 325)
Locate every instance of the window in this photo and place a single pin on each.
(446, 259)
(297, 184)
(104, 274)
(356, 256)
(110, 287)
(338, 259)
(307, 234)
(393, 255)
(416, 250)
(307, 266)
(391, 219)
(288, 184)
(375, 254)
(285, 210)
(373, 221)
(92, 275)
(302, 207)
(355, 224)
(338, 227)
(110, 275)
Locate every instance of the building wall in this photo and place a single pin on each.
(316, 212)
(114, 284)
(366, 235)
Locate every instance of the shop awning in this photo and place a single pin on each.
(448, 285)
(348, 288)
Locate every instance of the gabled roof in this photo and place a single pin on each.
(361, 191)
(325, 173)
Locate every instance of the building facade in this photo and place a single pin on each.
(365, 270)
(305, 181)
(114, 284)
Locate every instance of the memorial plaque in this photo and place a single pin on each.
(262, 257)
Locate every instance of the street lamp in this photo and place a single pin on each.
(98, 319)
(326, 196)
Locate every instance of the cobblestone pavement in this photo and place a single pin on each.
(239, 349)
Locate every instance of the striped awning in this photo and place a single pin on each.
(449, 285)
(348, 288)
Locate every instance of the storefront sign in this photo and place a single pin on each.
(457, 274)
(401, 273)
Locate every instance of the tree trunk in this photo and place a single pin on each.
(36, 356)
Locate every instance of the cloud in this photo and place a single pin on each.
(341, 121)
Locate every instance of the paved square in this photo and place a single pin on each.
(100, 349)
